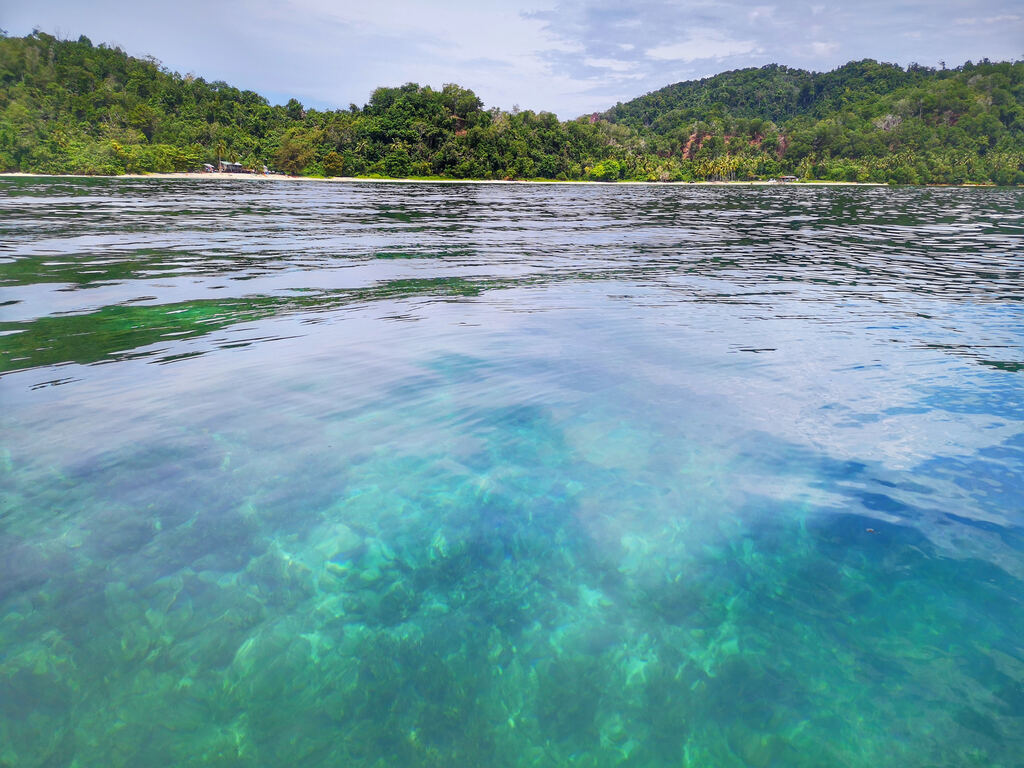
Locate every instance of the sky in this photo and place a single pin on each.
(570, 58)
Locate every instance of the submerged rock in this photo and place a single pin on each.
(337, 542)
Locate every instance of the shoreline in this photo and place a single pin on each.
(367, 180)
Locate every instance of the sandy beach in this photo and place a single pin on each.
(367, 180)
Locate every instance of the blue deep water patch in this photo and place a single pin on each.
(269, 498)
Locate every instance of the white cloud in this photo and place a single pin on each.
(820, 48)
(760, 13)
(702, 44)
(615, 65)
(1006, 18)
(394, 41)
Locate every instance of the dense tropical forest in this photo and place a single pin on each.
(75, 107)
(864, 121)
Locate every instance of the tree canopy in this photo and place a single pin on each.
(865, 121)
(74, 107)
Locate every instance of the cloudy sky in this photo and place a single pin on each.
(570, 57)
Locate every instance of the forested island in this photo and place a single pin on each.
(74, 107)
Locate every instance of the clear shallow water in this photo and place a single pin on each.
(317, 474)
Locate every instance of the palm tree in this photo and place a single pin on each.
(221, 150)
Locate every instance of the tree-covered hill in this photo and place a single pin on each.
(862, 121)
(773, 92)
(75, 107)
(72, 107)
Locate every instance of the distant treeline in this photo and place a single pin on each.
(72, 107)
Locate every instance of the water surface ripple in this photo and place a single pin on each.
(510, 475)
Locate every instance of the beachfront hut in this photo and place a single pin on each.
(226, 166)
(208, 168)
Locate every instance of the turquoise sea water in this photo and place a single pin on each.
(375, 475)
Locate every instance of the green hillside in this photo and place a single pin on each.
(863, 121)
(72, 107)
(773, 92)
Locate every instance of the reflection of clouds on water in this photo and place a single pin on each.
(572, 516)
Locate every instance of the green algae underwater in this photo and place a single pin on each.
(433, 475)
